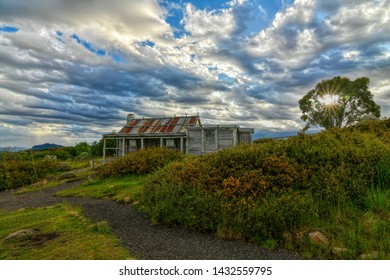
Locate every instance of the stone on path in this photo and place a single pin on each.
(68, 175)
(38, 184)
(339, 251)
(64, 167)
(318, 238)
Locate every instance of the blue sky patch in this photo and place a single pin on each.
(59, 36)
(225, 78)
(9, 29)
(210, 5)
(117, 56)
(147, 43)
(88, 45)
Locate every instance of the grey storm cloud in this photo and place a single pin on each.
(233, 64)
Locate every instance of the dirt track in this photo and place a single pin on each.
(142, 238)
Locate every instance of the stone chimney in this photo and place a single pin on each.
(130, 117)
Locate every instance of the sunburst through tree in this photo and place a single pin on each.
(338, 102)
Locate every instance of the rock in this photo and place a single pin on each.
(68, 175)
(101, 225)
(51, 157)
(21, 233)
(338, 251)
(74, 213)
(370, 256)
(41, 183)
(83, 155)
(64, 167)
(299, 235)
(318, 238)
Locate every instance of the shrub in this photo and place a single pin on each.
(168, 199)
(140, 162)
(15, 173)
(338, 162)
(260, 191)
(382, 179)
(377, 197)
(184, 193)
(269, 217)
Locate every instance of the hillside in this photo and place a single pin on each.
(45, 146)
(12, 149)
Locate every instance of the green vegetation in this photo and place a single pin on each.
(55, 178)
(279, 190)
(126, 189)
(16, 172)
(26, 168)
(338, 102)
(273, 193)
(38, 186)
(59, 232)
(141, 162)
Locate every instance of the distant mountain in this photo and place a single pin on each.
(45, 146)
(12, 149)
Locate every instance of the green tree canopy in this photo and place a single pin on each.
(338, 102)
(83, 147)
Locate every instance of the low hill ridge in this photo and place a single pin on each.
(46, 146)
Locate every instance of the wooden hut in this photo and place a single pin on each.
(184, 133)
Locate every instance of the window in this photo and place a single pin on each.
(170, 143)
(245, 138)
(210, 137)
(133, 143)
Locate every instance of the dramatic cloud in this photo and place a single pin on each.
(72, 70)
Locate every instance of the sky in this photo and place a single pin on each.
(72, 70)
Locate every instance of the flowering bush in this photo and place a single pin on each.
(260, 191)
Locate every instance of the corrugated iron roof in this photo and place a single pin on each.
(163, 125)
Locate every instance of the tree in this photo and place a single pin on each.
(97, 148)
(83, 147)
(338, 102)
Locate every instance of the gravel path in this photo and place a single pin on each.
(142, 238)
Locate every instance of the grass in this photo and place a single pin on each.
(38, 186)
(377, 200)
(126, 189)
(78, 164)
(60, 232)
(363, 233)
(79, 168)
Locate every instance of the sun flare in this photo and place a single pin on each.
(329, 99)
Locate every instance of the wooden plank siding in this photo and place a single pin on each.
(203, 140)
(225, 138)
(195, 142)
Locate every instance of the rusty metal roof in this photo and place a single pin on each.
(164, 125)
